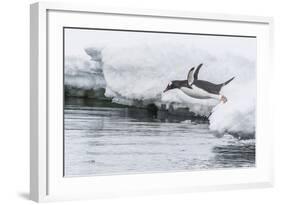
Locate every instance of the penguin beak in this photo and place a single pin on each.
(169, 87)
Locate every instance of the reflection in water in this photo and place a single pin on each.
(102, 138)
(235, 154)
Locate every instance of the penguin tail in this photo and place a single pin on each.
(226, 82)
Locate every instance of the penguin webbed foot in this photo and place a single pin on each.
(223, 99)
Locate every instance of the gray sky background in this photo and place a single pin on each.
(76, 40)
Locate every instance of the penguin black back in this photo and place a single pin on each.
(211, 87)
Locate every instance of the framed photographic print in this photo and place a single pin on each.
(130, 102)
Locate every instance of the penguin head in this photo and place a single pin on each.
(170, 86)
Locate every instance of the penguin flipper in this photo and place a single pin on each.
(190, 77)
(195, 75)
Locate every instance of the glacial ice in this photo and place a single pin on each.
(138, 72)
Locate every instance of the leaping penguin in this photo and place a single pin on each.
(198, 88)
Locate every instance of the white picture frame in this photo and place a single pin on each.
(46, 179)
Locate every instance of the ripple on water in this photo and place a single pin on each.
(105, 141)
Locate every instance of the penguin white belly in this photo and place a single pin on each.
(199, 93)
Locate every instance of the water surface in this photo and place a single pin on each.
(102, 138)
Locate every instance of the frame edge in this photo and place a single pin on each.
(34, 40)
(38, 11)
(38, 103)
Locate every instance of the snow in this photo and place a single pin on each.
(136, 67)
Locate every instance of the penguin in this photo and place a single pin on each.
(199, 89)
